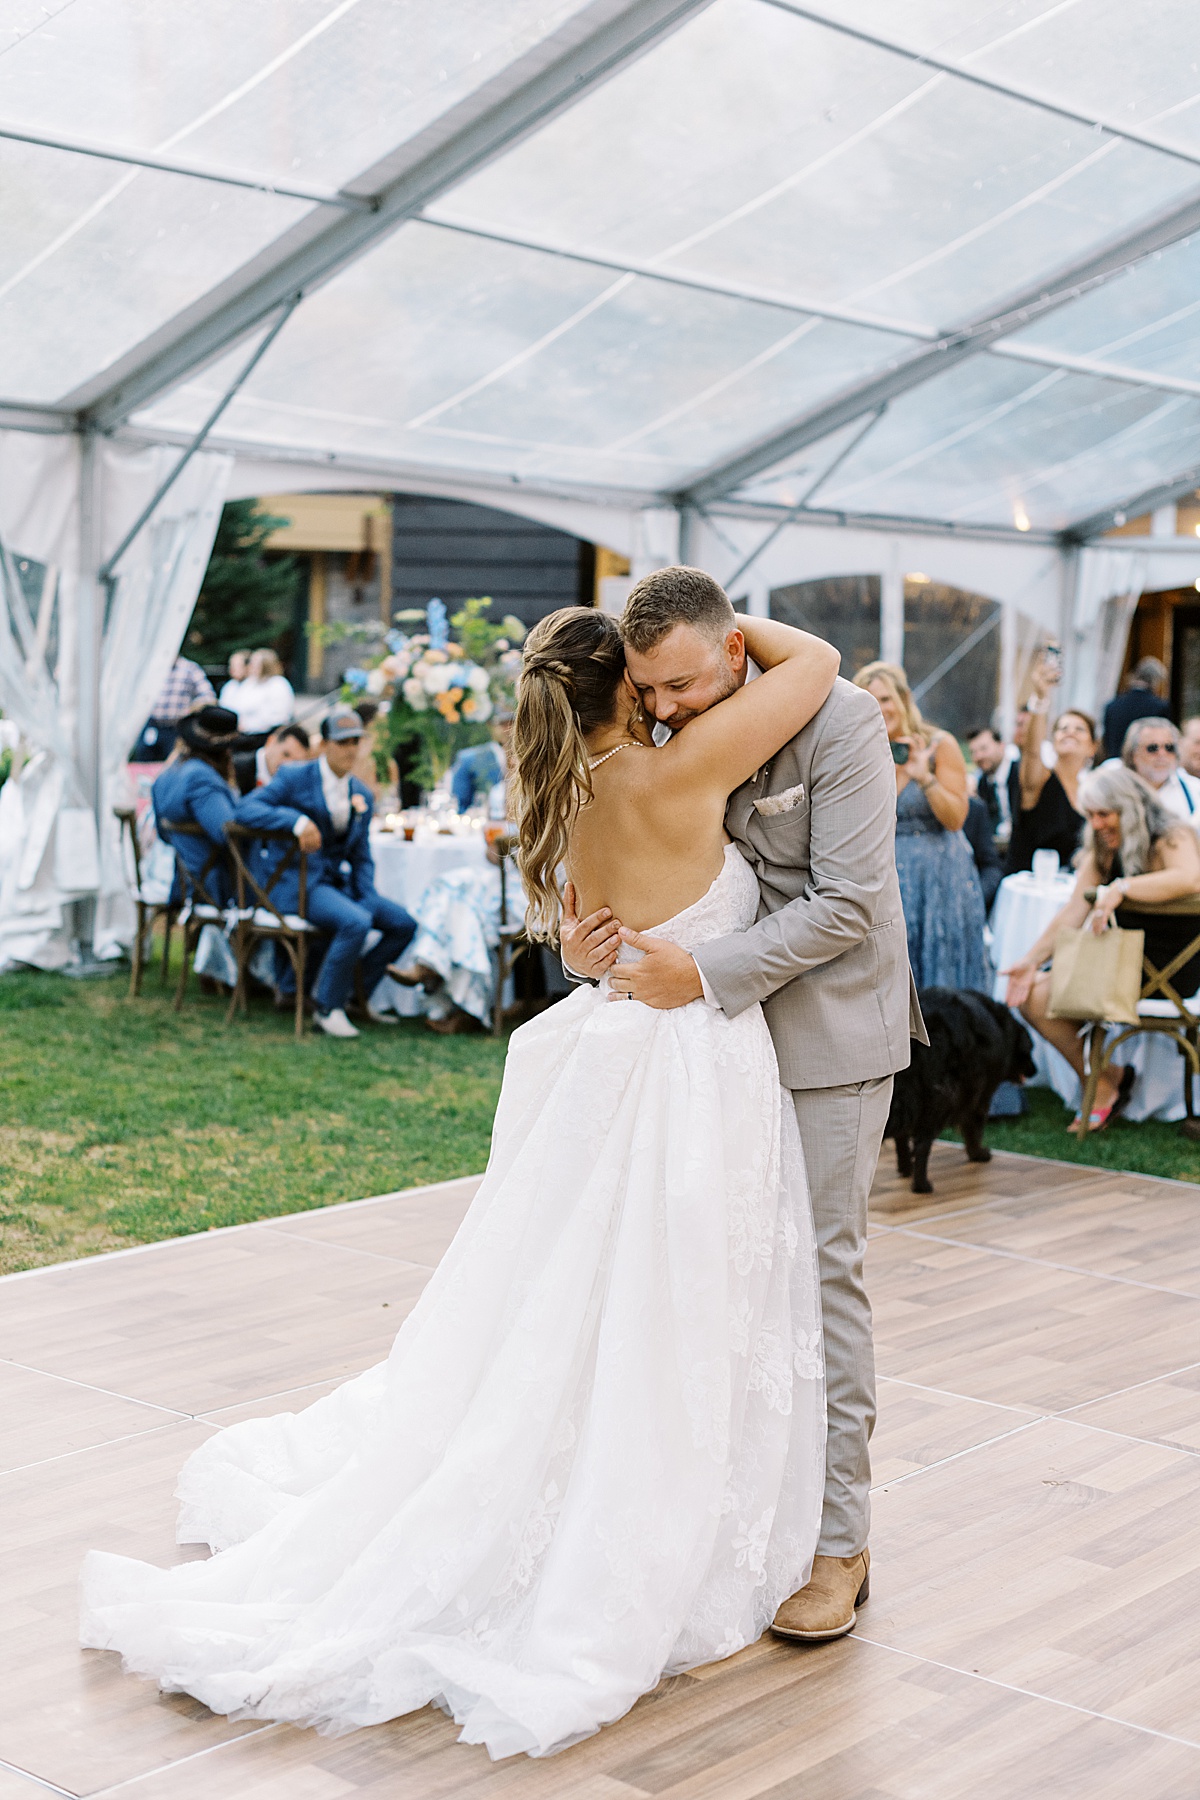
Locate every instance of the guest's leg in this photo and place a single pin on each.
(1063, 1034)
(347, 924)
(841, 1130)
(397, 929)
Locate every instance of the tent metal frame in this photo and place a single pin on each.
(546, 81)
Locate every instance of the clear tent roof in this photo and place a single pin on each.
(929, 260)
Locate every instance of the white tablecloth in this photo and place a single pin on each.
(1023, 909)
(403, 870)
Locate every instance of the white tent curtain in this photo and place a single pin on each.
(51, 851)
(1108, 586)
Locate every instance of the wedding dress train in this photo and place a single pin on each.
(595, 1453)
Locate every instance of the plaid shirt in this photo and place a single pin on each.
(185, 687)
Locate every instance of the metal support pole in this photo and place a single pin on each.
(891, 612)
(89, 625)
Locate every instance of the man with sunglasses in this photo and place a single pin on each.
(1151, 750)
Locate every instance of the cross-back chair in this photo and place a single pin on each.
(259, 915)
(1162, 1011)
(201, 905)
(149, 911)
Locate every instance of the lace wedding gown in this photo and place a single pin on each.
(595, 1452)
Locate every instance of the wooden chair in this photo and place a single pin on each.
(200, 905)
(259, 916)
(1162, 1012)
(149, 912)
(513, 936)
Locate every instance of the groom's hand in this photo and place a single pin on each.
(589, 946)
(666, 976)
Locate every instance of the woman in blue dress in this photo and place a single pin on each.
(939, 884)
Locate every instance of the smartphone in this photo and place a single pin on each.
(1052, 657)
(899, 753)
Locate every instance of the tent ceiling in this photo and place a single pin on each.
(683, 248)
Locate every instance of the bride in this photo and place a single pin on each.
(595, 1452)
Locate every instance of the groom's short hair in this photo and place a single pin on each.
(675, 596)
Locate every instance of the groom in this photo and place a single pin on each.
(828, 960)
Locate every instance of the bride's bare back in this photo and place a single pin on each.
(652, 838)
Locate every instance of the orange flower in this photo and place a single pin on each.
(447, 704)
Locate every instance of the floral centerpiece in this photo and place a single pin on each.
(438, 691)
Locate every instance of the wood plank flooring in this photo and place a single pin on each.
(1033, 1624)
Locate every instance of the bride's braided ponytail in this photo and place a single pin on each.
(573, 664)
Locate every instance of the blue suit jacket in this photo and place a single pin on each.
(476, 769)
(191, 792)
(342, 862)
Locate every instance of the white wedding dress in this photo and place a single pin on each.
(595, 1454)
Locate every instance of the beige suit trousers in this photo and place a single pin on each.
(841, 1129)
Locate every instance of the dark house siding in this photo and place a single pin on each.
(454, 550)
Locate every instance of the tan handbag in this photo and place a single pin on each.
(1097, 975)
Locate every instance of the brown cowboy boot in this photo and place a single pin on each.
(826, 1607)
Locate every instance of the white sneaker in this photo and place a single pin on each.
(381, 1018)
(335, 1024)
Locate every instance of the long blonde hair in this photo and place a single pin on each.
(896, 681)
(573, 664)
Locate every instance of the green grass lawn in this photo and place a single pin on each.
(1146, 1149)
(123, 1122)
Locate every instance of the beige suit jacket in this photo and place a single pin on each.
(828, 956)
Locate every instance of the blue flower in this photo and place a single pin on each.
(356, 679)
(395, 641)
(438, 624)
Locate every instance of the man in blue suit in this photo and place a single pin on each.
(196, 790)
(475, 771)
(329, 811)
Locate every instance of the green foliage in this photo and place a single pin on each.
(123, 1122)
(6, 763)
(245, 601)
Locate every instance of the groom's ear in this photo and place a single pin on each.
(735, 650)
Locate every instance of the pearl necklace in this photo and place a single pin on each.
(603, 759)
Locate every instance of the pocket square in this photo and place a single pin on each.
(773, 804)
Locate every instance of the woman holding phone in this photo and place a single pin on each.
(939, 884)
(1049, 816)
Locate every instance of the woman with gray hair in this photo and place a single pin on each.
(1133, 851)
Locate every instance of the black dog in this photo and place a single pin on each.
(974, 1045)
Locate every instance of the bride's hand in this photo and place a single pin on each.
(666, 977)
(589, 946)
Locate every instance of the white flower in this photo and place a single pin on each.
(477, 708)
(478, 679)
(376, 682)
(414, 693)
(437, 677)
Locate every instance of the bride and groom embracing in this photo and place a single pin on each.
(610, 1441)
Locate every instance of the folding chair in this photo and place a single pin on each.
(259, 917)
(200, 906)
(513, 936)
(149, 912)
(1162, 1012)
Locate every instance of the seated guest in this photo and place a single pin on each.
(1048, 816)
(1151, 750)
(995, 761)
(330, 814)
(977, 829)
(1142, 699)
(186, 688)
(1189, 747)
(239, 666)
(476, 771)
(254, 768)
(195, 788)
(1132, 851)
(265, 698)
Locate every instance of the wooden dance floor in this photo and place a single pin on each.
(1035, 1609)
